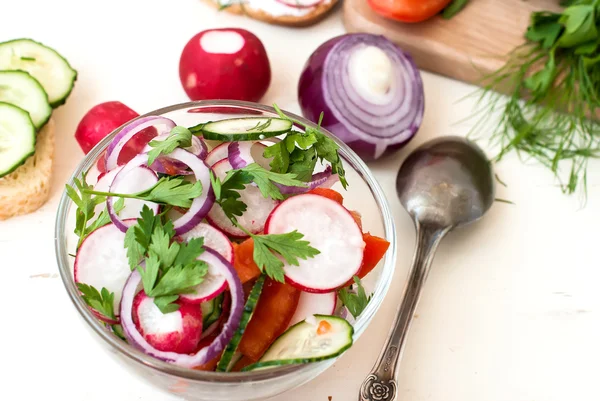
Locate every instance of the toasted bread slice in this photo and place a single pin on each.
(28, 187)
(308, 17)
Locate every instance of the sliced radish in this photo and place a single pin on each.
(217, 154)
(178, 331)
(214, 282)
(102, 262)
(105, 179)
(254, 217)
(331, 229)
(213, 238)
(311, 304)
(300, 3)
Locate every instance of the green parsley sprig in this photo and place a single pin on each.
(179, 137)
(299, 152)
(174, 191)
(289, 246)
(168, 268)
(355, 302)
(86, 204)
(101, 301)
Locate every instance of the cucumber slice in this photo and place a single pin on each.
(243, 129)
(52, 71)
(23, 90)
(17, 137)
(225, 364)
(301, 343)
(211, 310)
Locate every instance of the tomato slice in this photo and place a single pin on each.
(275, 308)
(243, 261)
(375, 248)
(408, 10)
(328, 193)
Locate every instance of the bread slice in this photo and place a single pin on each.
(28, 187)
(314, 15)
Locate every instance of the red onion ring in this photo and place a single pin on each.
(324, 179)
(118, 143)
(207, 353)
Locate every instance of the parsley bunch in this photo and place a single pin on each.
(558, 73)
(179, 137)
(299, 152)
(168, 268)
(86, 204)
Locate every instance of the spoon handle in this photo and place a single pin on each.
(381, 384)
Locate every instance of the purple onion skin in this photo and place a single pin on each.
(312, 103)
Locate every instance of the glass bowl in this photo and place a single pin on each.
(364, 194)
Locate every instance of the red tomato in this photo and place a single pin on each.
(275, 308)
(408, 10)
(375, 248)
(328, 193)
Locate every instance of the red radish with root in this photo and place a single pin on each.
(178, 331)
(333, 230)
(226, 63)
(103, 119)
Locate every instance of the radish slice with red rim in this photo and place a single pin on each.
(300, 3)
(133, 177)
(101, 262)
(116, 145)
(136, 339)
(254, 217)
(310, 304)
(214, 282)
(328, 227)
(213, 239)
(179, 331)
(219, 153)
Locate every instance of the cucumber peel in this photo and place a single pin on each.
(251, 302)
(243, 129)
(301, 344)
(211, 310)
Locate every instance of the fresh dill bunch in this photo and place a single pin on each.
(552, 84)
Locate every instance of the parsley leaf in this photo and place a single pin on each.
(266, 180)
(86, 208)
(179, 137)
(281, 157)
(161, 245)
(356, 303)
(180, 279)
(289, 246)
(226, 192)
(150, 272)
(304, 162)
(189, 251)
(137, 237)
(101, 301)
(165, 303)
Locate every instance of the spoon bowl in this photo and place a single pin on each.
(447, 182)
(443, 184)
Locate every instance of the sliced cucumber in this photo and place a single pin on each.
(17, 137)
(52, 71)
(211, 310)
(225, 364)
(243, 129)
(23, 90)
(302, 343)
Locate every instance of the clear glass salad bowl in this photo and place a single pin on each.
(363, 195)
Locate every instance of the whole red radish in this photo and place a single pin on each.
(178, 331)
(104, 118)
(226, 63)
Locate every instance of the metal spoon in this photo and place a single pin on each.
(445, 183)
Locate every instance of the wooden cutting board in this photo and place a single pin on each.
(472, 44)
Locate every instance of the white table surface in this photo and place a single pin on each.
(510, 310)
